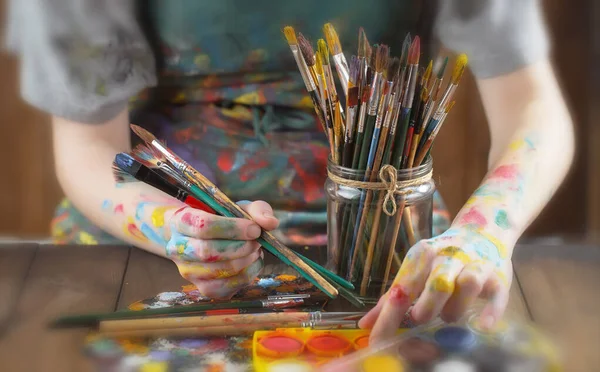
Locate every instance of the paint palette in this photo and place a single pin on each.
(304, 349)
(458, 347)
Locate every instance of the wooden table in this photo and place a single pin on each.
(555, 286)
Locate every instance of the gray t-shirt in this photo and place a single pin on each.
(83, 59)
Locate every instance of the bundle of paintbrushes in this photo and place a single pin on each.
(158, 166)
(392, 114)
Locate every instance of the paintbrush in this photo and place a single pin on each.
(323, 85)
(363, 55)
(338, 130)
(309, 82)
(434, 95)
(414, 135)
(128, 169)
(335, 48)
(225, 319)
(271, 302)
(369, 146)
(457, 73)
(229, 330)
(323, 52)
(352, 108)
(216, 199)
(415, 112)
(437, 124)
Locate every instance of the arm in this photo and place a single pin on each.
(532, 149)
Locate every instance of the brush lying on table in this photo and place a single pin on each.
(393, 112)
(158, 166)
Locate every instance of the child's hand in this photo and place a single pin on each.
(447, 274)
(217, 254)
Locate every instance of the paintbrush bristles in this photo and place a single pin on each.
(405, 49)
(143, 133)
(290, 35)
(363, 43)
(323, 51)
(333, 41)
(381, 58)
(393, 69)
(442, 70)
(459, 68)
(415, 51)
(307, 50)
(319, 65)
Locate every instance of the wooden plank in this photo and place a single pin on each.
(148, 275)
(560, 285)
(61, 280)
(15, 261)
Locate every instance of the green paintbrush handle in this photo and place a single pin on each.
(326, 273)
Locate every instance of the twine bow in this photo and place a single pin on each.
(389, 182)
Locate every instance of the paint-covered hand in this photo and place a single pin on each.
(217, 254)
(445, 275)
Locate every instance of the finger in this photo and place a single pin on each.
(391, 315)
(496, 291)
(201, 225)
(439, 287)
(194, 271)
(368, 321)
(227, 287)
(261, 213)
(469, 285)
(183, 248)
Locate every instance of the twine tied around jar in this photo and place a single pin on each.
(388, 176)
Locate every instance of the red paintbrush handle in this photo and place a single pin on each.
(197, 204)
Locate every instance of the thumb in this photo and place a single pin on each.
(261, 212)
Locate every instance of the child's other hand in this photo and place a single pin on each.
(219, 255)
(446, 274)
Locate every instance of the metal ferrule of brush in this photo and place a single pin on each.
(342, 69)
(381, 110)
(390, 112)
(395, 120)
(178, 177)
(362, 75)
(303, 68)
(334, 324)
(282, 304)
(362, 114)
(350, 120)
(287, 297)
(428, 113)
(446, 98)
(410, 90)
(375, 94)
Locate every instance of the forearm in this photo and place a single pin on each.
(133, 212)
(532, 149)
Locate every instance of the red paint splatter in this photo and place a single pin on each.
(473, 216)
(119, 209)
(135, 232)
(506, 172)
(225, 161)
(211, 258)
(398, 296)
(191, 219)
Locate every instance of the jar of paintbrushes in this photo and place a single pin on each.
(373, 219)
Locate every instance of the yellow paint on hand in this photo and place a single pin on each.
(502, 251)
(442, 284)
(158, 215)
(455, 253)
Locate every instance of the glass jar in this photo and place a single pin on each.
(367, 239)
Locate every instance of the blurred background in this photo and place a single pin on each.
(30, 192)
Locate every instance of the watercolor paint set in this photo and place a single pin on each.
(304, 349)
(458, 347)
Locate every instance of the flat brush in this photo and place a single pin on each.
(335, 47)
(125, 166)
(363, 55)
(309, 82)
